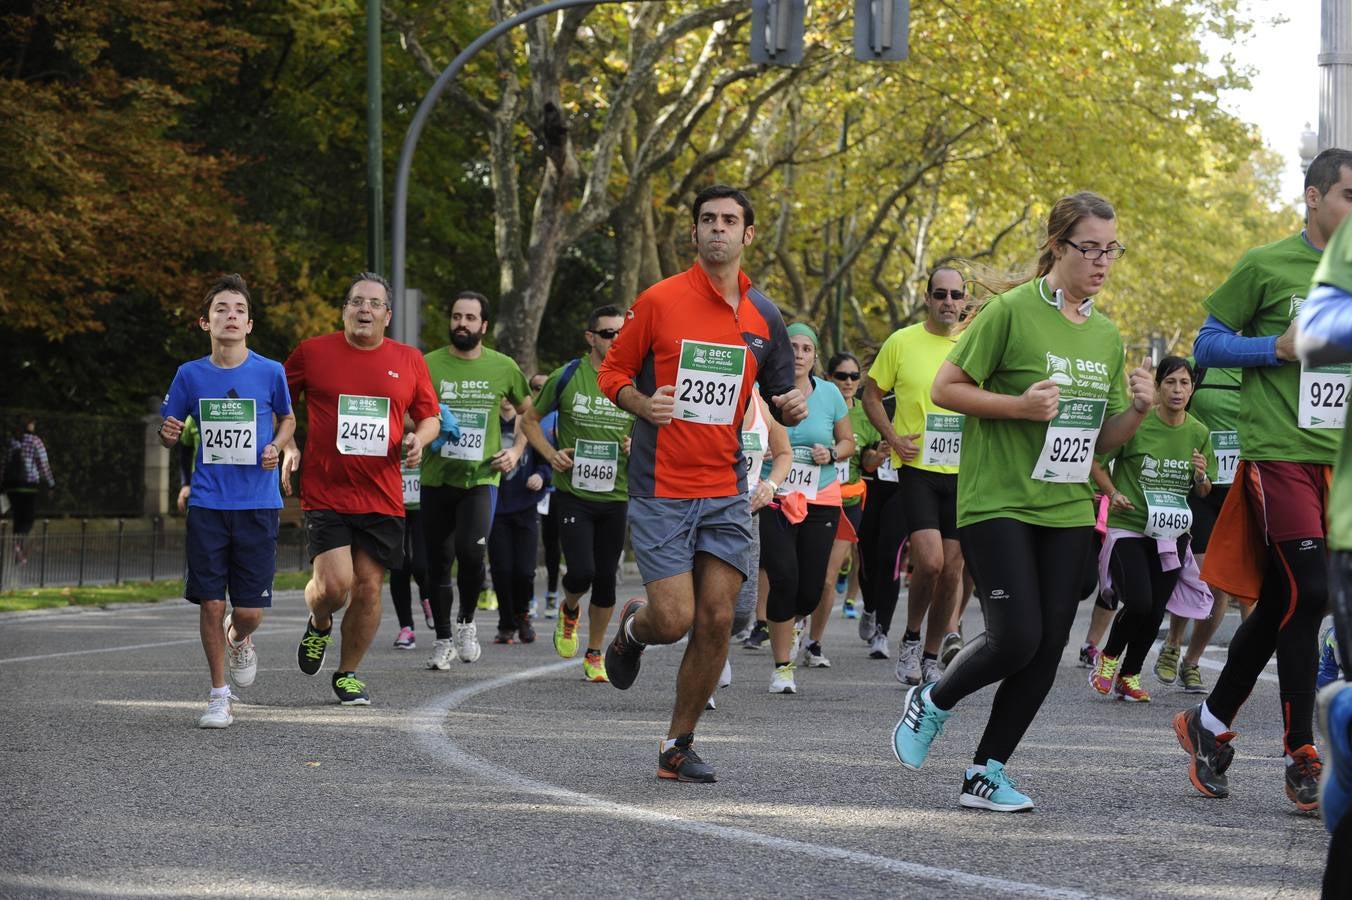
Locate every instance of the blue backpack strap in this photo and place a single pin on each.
(568, 372)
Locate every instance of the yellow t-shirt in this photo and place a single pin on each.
(906, 366)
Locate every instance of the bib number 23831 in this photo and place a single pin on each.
(1068, 448)
(229, 432)
(708, 382)
(363, 425)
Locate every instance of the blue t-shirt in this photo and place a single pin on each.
(825, 407)
(231, 485)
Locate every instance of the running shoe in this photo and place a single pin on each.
(551, 603)
(1128, 688)
(467, 642)
(799, 626)
(240, 658)
(868, 624)
(682, 763)
(877, 647)
(565, 632)
(1191, 676)
(1335, 723)
(921, 722)
(1089, 655)
(813, 658)
(594, 667)
(908, 662)
(1166, 664)
(849, 609)
(443, 654)
(1328, 659)
(710, 703)
(1105, 673)
(725, 677)
(760, 633)
(427, 613)
(1302, 778)
(220, 713)
(929, 671)
(781, 680)
(992, 789)
(625, 654)
(505, 636)
(350, 689)
(950, 648)
(313, 644)
(525, 631)
(488, 599)
(1211, 753)
(406, 640)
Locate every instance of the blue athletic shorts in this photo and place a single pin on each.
(234, 552)
(666, 533)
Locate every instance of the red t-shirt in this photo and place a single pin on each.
(327, 367)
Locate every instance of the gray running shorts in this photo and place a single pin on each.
(666, 533)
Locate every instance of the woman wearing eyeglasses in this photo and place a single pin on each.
(1041, 378)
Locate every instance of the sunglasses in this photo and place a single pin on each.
(608, 334)
(843, 376)
(941, 294)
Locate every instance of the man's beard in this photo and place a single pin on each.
(462, 340)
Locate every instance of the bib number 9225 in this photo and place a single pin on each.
(1071, 449)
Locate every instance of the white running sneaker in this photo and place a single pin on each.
(241, 660)
(813, 658)
(443, 654)
(467, 641)
(877, 646)
(781, 682)
(868, 623)
(725, 677)
(930, 670)
(950, 648)
(220, 713)
(710, 704)
(908, 662)
(798, 630)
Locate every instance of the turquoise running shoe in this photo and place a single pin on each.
(992, 789)
(921, 722)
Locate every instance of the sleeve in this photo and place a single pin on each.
(626, 354)
(838, 408)
(981, 347)
(776, 375)
(1325, 335)
(177, 402)
(1118, 397)
(1204, 437)
(1217, 346)
(548, 400)
(517, 389)
(281, 396)
(295, 371)
(44, 466)
(884, 368)
(424, 404)
(1235, 302)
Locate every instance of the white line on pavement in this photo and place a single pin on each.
(192, 640)
(427, 721)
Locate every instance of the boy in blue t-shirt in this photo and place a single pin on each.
(243, 412)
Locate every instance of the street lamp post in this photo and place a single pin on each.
(1335, 79)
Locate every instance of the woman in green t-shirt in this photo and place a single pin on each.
(1041, 378)
(1149, 524)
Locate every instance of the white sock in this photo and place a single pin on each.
(1289, 760)
(668, 744)
(629, 633)
(977, 770)
(218, 692)
(1211, 723)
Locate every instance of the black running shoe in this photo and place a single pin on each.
(624, 655)
(682, 763)
(1211, 753)
(310, 653)
(350, 689)
(1302, 779)
(760, 633)
(525, 631)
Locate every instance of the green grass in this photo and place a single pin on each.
(131, 592)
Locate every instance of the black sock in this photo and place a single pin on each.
(815, 648)
(780, 665)
(911, 635)
(928, 655)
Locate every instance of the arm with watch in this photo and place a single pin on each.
(781, 460)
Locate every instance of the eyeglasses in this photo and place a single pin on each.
(1093, 253)
(608, 334)
(359, 302)
(845, 376)
(941, 294)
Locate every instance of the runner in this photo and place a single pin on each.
(244, 413)
(1041, 379)
(691, 350)
(798, 531)
(591, 488)
(1289, 428)
(549, 521)
(414, 566)
(22, 471)
(358, 386)
(926, 443)
(1146, 549)
(882, 533)
(460, 482)
(515, 536)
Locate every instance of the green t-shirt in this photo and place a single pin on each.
(1336, 269)
(586, 415)
(1216, 400)
(1157, 458)
(1259, 299)
(1016, 341)
(473, 389)
(906, 366)
(865, 436)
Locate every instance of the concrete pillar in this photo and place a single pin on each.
(1335, 75)
(155, 500)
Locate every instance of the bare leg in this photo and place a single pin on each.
(210, 615)
(1098, 625)
(329, 586)
(840, 551)
(362, 619)
(598, 620)
(1205, 629)
(927, 562)
(781, 641)
(716, 586)
(945, 598)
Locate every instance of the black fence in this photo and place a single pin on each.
(98, 462)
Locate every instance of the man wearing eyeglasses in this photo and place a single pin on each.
(591, 482)
(926, 444)
(359, 388)
(460, 481)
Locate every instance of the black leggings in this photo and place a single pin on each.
(592, 535)
(511, 556)
(881, 534)
(1285, 620)
(1028, 580)
(456, 522)
(549, 536)
(415, 566)
(1144, 589)
(795, 558)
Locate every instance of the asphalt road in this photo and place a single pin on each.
(513, 777)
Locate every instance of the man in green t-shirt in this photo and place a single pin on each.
(1290, 422)
(460, 482)
(591, 487)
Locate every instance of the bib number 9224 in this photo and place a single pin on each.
(1071, 449)
(715, 393)
(1328, 394)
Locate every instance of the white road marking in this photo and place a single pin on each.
(91, 650)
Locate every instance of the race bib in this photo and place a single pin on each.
(942, 440)
(754, 454)
(886, 471)
(1167, 515)
(1323, 396)
(363, 425)
(229, 432)
(594, 465)
(1226, 446)
(412, 479)
(708, 382)
(542, 507)
(843, 471)
(473, 433)
(1068, 448)
(804, 475)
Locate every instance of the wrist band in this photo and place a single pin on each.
(774, 488)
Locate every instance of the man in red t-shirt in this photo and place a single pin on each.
(358, 386)
(694, 348)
